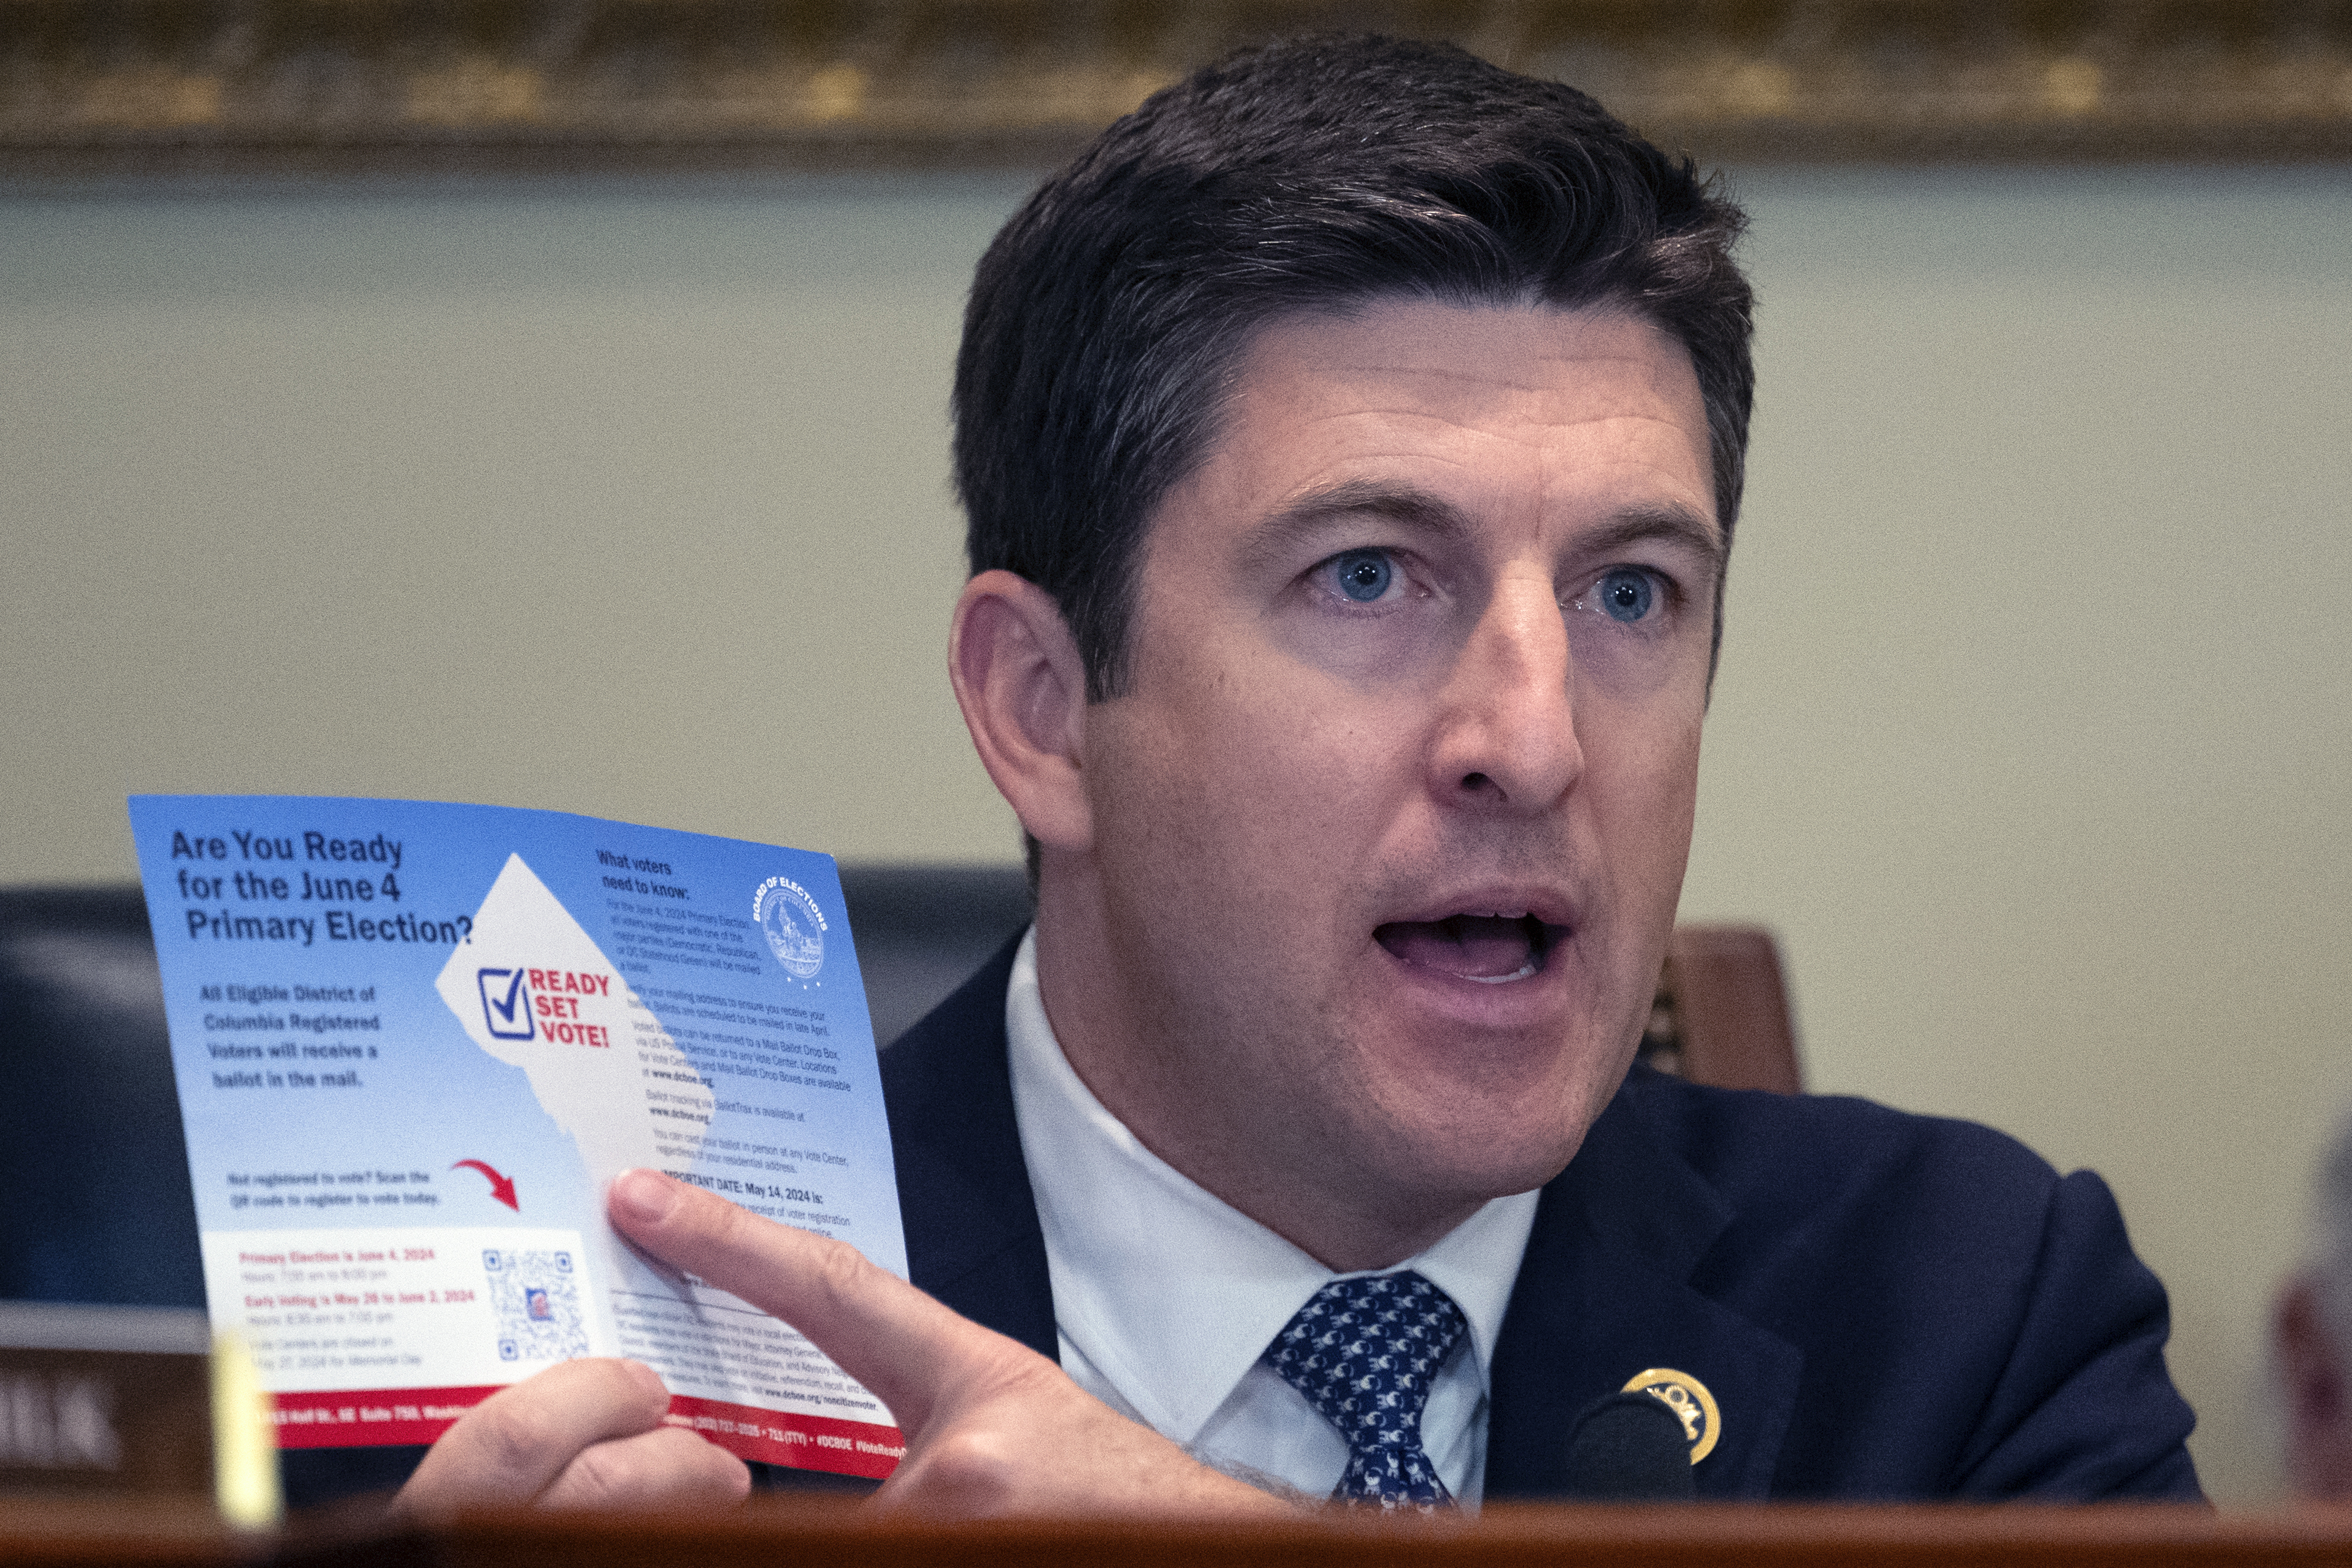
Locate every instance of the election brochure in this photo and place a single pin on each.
(414, 1042)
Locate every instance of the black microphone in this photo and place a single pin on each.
(1628, 1447)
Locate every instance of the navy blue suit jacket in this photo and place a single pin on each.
(1884, 1306)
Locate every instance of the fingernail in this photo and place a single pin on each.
(644, 1196)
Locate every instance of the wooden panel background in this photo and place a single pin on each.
(201, 88)
(804, 1533)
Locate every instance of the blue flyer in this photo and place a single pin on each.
(414, 1042)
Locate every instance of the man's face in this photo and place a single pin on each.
(1391, 821)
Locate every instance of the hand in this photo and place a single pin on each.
(583, 1434)
(991, 1428)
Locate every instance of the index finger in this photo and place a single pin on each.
(896, 1341)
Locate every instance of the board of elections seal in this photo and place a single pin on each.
(1688, 1399)
(789, 918)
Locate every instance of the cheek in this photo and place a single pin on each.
(1259, 743)
(1252, 798)
(1656, 674)
(1644, 777)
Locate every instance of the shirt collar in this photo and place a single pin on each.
(1168, 1291)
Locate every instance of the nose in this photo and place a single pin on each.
(1507, 735)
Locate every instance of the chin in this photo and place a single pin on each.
(1489, 1149)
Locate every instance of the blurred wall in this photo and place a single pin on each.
(626, 504)
(2030, 737)
(2031, 734)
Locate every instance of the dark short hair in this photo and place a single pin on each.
(1107, 318)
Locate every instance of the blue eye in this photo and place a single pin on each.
(1626, 595)
(1363, 575)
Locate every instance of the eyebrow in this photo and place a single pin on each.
(1669, 521)
(1434, 515)
(1417, 510)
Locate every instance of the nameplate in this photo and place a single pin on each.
(113, 1399)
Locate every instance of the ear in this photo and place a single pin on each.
(1023, 689)
(2313, 1373)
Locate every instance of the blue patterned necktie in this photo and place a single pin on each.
(1364, 1352)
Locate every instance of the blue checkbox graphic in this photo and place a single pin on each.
(506, 1004)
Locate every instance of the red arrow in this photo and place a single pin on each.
(501, 1187)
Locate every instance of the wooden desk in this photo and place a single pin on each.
(150, 1532)
(822, 1533)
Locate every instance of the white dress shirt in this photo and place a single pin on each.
(1166, 1296)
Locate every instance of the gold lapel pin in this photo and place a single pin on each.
(1688, 1399)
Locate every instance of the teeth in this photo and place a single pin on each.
(1521, 973)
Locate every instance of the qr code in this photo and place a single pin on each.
(536, 1298)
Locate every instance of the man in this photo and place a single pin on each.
(2311, 1340)
(1351, 440)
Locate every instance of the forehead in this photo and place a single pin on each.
(1511, 410)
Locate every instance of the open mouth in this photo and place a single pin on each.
(1492, 949)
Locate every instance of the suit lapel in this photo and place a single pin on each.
(1603, 1294)
(973, 1236)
